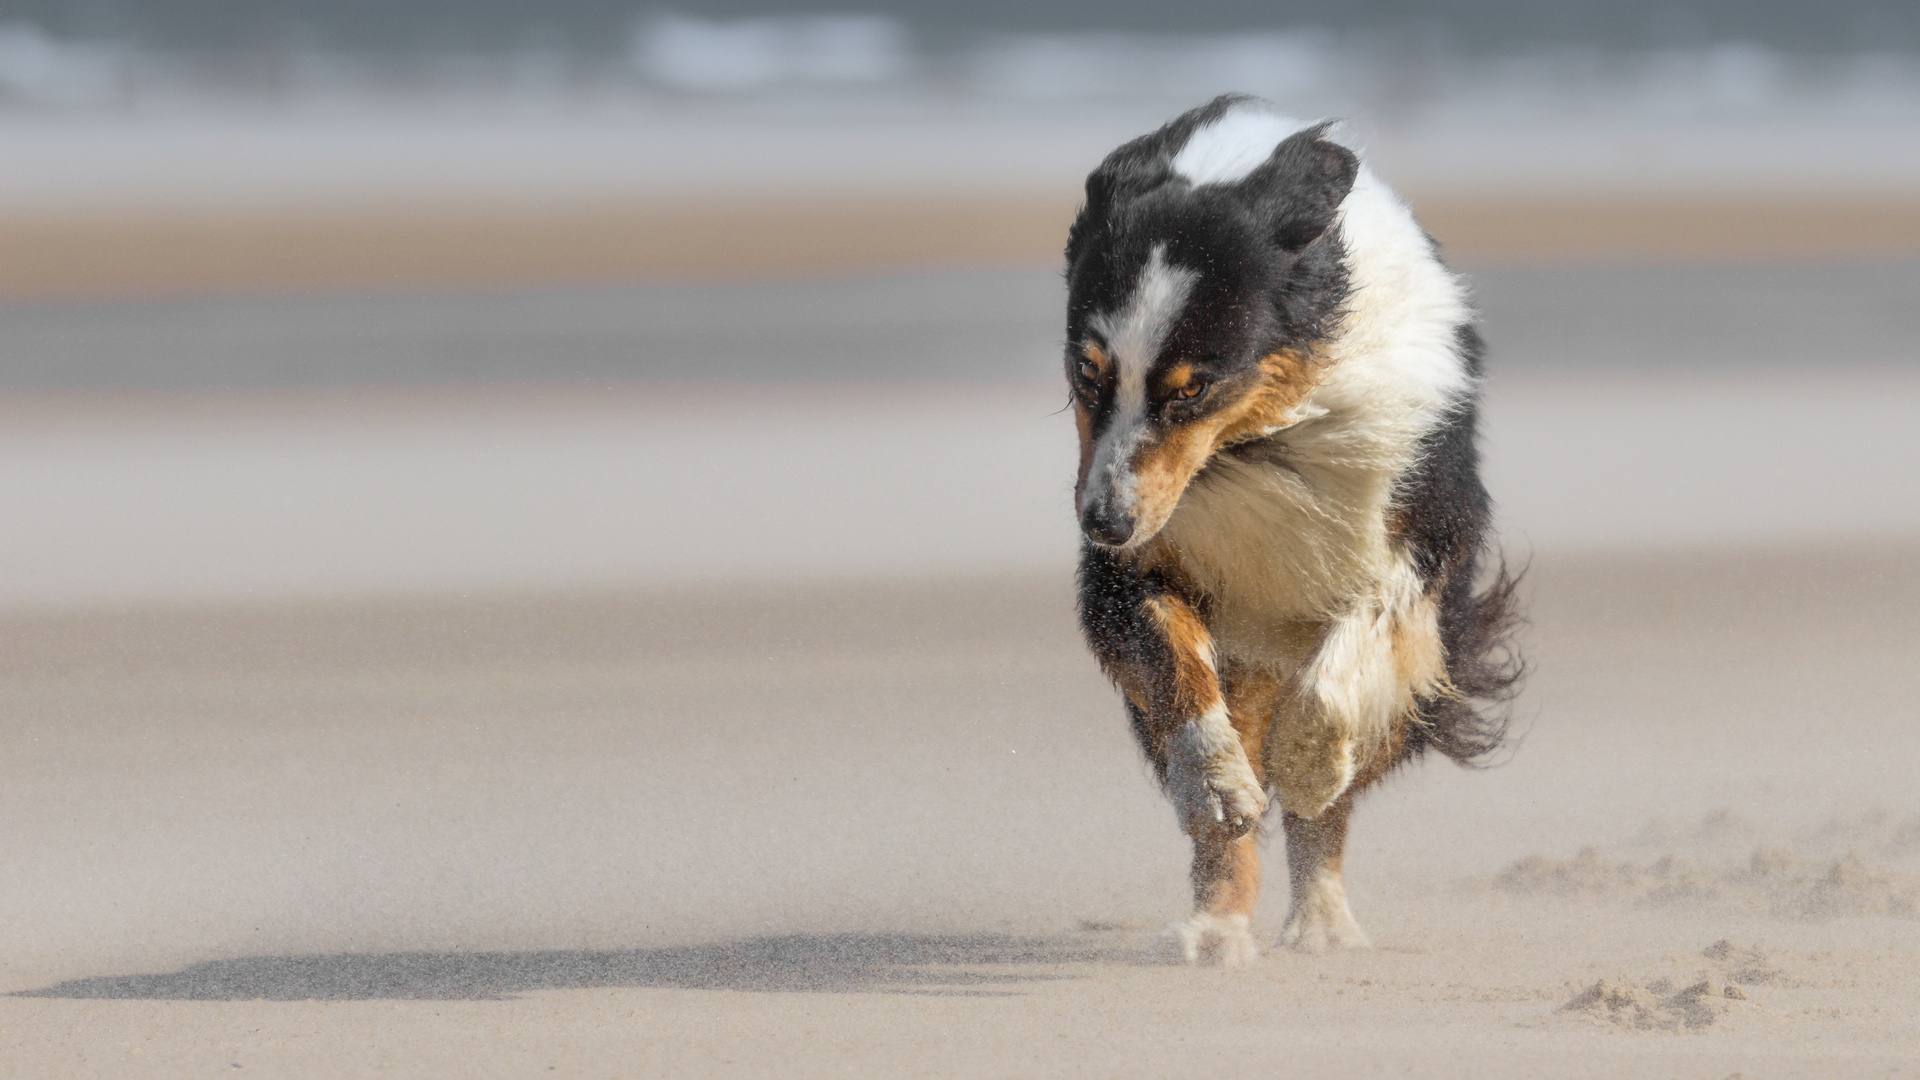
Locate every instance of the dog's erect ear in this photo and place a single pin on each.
(1299, 188)
(1138, 167)
(1126, 173)
(1145, 163)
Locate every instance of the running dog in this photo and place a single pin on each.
(1276, 380)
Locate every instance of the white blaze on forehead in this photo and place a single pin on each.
(1234, 145)
(1134, 336)
(1137, 331)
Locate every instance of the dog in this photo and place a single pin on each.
(1286, 565)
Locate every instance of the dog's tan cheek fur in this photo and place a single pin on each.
(1082, 422)
(1163, 471)
(1286, 380)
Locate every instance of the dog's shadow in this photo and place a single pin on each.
(819, 963)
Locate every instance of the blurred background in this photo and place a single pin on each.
(505, 214)
(445, 444)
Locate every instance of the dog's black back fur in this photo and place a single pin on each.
(1445, 515)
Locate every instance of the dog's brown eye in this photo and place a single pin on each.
(1089, 371)
(1192, 390)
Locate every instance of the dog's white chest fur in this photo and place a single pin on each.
(1276, 541)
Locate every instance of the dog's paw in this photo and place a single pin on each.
(1222, 940)
(1320, 920)
(1312, 765)
(1317, 934)
(1212, 803)
(1212, 784)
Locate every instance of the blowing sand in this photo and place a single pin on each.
(896, 827)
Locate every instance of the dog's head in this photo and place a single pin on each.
(1202, 273)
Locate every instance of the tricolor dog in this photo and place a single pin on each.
(1276, 380)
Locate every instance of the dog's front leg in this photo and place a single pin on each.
(1207, 770)
(1226, 862)
(1162, 655)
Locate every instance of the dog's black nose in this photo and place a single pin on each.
(1103, 526)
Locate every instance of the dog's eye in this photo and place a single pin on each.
(1192, 390)
(1089, 371)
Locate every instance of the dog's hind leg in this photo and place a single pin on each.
(1226, 864)
(1319, 918)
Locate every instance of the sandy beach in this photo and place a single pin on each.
(534, 565)
(897, 827)
(684, 683)
(440, 730)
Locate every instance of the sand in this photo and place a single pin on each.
(455, 244)
(701, 726)
(714, 729)
(897, 827)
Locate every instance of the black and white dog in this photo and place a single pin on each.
(1276, 383)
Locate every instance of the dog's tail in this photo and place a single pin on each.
(1479, 626)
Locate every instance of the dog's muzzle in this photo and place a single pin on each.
(1104, 525)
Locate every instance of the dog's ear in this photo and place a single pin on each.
(1108, 185)
(1145, 163)
(1132, 170)
(1137, 167)
(1300, 187)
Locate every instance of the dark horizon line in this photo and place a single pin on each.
(600, 26)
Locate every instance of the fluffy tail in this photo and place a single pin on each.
(1484, 664)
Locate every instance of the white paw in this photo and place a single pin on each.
(1210, 780)
(1225, 940)
(1320, 920)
